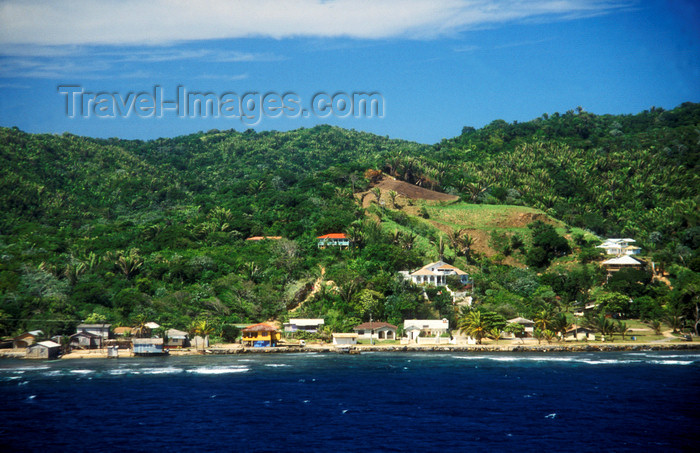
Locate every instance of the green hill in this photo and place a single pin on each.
(125, 229)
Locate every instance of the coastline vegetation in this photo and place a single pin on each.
(127, 230)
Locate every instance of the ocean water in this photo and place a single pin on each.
(637, 401)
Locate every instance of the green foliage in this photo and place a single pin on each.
(546, 245)
(230, 333)
(157, 229)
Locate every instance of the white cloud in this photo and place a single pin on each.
(135, 22)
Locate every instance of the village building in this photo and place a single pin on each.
(420, 330)
(619, 247)
(311, 325)
(333, 240)
(44, 350)
(148, 346)
(528, 325)
(621, 262)
(123, 331)
(376, 330)
(260, 336)
(175, 339)
(97, 329)
(86, 340)
(579, 333)
(437, 273)
(26, 339)
(344, 339)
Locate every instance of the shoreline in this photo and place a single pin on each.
(359, 349)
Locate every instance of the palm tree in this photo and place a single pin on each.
(203, 329)
(494, 334)
(392, 197)
(548, 335)
(560, 324)
(543, 319)
(377, 194)
(407, 240)
(655, 324)
(473, 325)
(622, 328)
(129, 264)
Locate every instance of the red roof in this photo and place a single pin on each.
(333, 236)
(373, 325)
(262, 327)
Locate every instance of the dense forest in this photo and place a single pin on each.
(126, 230)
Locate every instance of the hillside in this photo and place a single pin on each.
(125, 230)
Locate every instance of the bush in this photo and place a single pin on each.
(230, 333)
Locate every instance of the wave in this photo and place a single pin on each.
(274, 365)
(218, 370)
(675, 359)
(82, 371)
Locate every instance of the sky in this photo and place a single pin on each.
(412, 69)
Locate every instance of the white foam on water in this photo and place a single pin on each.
(610, 361)
(470, 357)
(672, 362)
(82, 371)
(119, 372)
(218, 370)
(22, 369)
(275, 365)
(165, 370)
(53, 373)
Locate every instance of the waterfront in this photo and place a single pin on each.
(379, 401)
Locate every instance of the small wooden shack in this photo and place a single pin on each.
(26, 339)
(175, 339)
(85, 340)
(44, 350)
(344, 339)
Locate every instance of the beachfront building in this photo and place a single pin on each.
(86, 340)
(437, 273)
(260, 336)
(333, 240)
(528, 325)
(376, 330)
(148, 346)
(175, 339)
(311, 325)
(26, 339)
(578, 333)
(101, 330)
(425, 330)
(344, 339)
(619, 247)
(43, 350)
(123, 331)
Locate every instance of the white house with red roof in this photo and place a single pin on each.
(333, 240)
(377, 330)
(436, 274)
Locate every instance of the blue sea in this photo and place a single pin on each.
(627, 401)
